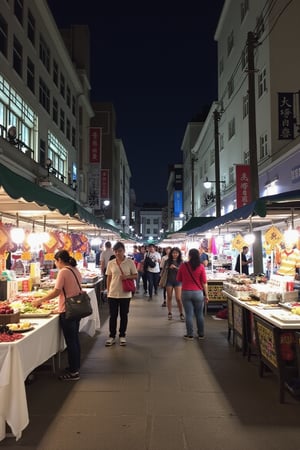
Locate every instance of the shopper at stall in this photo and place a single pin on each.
(104, 258)
(192, 275)
(117, 270)
(289, 261)
(66, 285)
(244, 267)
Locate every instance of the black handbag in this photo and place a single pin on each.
(78, 306)
(149, 262)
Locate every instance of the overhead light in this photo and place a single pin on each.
(106, 203)
(207, 184)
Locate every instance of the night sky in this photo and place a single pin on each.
(159, 71)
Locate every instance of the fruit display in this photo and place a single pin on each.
(20, 327)
(6, 309)
(7, 335)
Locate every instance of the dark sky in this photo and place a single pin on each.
(159, 71)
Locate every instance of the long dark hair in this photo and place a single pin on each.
(194, 258)
(65, 257)
(170, 256)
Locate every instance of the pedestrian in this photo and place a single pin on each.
(153, 272)
(117, 270)
(66, 286)
(192, 275)
(104, 258)
(244, 268)
(162, 264)
(140, 268)
(172, 266)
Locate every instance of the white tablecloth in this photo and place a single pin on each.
(18, 359)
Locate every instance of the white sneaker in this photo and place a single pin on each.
(110, 341)
(122, 341)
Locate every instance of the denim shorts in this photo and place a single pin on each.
(173, 284)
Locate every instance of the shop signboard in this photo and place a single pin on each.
(266, 342)
(243, 185)
(286, 115)
(95, 144)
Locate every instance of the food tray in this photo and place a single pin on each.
(285, 316)
(9, 318)
(35, 314)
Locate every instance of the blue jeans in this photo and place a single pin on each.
(153, 280)
(70, 329)
(114, 305)
(193, 303)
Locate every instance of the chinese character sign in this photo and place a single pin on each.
(95, 145)
(104, 193)
(285, 115)
(243, 185)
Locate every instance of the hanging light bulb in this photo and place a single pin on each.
(17, 234)
(249, 238)
(291, 236)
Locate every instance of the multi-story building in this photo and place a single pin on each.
(44, 99)
(267, 35)
(151, 225)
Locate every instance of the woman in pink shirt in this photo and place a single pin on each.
(192, 275)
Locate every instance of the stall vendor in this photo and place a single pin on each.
(244, 267)
(289, 262)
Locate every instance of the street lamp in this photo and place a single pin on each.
(123, 218)
(207, 184)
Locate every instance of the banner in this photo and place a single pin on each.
(243, 185)
(95, 144)
(104, 189)
(285, 115)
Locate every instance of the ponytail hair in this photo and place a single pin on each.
(65, 257)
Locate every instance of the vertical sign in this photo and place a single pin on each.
(285, 115)
(243, 185)
(95, 144)
(104, 185)
(178, 203)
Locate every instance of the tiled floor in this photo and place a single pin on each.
(160, 392)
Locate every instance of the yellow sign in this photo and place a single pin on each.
(238, 242)
(273, 237)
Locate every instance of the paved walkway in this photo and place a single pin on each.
(160, 392)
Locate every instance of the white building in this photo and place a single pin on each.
(277, 70)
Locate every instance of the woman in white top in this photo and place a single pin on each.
(153, 272)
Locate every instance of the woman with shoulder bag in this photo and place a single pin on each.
(66, 285)
(194, 292)
(172, 265)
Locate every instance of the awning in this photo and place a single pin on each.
(22, 196)
(194, 222)
(272, 208)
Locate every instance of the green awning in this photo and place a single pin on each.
(194, 222)
(18, 187)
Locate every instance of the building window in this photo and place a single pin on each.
(231, 128)
(244, 9)
(73, 105)
(42, 153)
(62, 120)
(68, 131)
(3, 36)
(68, 99)
(231, 175)
(148, 221)
(221, 66)
(263, 146)
(262, 82)
(31, 27)
(55, 73)
(244, 57)
(44, 95)
(245, 106)
(230, 86)
(148, 231)
(30, 75)
(55, 111)
(221, 141)
(44, 53)
(230, 42)
(73, 137)
(17, 56)
(18, 10)
(58, 155)
(62, 85)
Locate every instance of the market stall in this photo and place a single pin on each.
(19, 358)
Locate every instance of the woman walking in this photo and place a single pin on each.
(172, 265)
(118, 269)
(194, 289)
(66, 285)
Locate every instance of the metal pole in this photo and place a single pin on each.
(217, 163)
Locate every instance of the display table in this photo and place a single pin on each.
(19, 358)
(215, 290)
(272, 332)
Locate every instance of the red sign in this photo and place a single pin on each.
(104, 189)
(243, 185)
(95, 145)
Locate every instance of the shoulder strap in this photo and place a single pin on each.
(119, 265)
(75, 278)
(190, 272)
